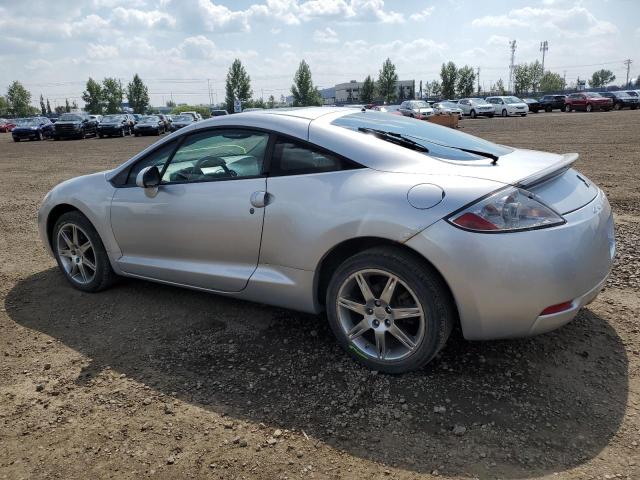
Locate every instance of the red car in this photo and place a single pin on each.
(587, 101)
(6, 125)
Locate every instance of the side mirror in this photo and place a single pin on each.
(148, 177)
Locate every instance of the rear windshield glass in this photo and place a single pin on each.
(437, 139)
(70, 117)
(150, 118)
(112, 118)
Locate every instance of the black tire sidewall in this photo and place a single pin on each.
(104, 273)
(427, 286)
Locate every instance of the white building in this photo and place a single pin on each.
(350, 92)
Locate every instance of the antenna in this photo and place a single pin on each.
(512, 46)
(544, 47)
(628, 63)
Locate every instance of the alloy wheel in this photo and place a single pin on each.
(380, 315)
(76, 253)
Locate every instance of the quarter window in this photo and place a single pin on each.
(217, 154)
(294, 158)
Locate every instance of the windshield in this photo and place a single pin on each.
(150, 119)
(111, 118)
(593, 94)
(70, 117)
(183, 118)
(27, 122)
(512, 100)
(449, 104)
(431, 136)
(420, 104)
(478, 101)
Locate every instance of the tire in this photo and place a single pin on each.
(588, 108)
(567, 108)
(15, 139)
(79, 276)
(547, 109)
(616, 106)
(40, 137)
(101, 136)
(136, 134)
(490, 115)
(634, 107)
(504, 112)
(523, 114)
(419, 288)
(473, 114)
(56, 138)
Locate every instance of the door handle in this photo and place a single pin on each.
(259, 199)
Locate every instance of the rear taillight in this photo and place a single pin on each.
(557, 308)
(508, 210)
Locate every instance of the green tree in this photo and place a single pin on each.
(92, 97)
(535, 75)
(449, 76)
(4, 106)
(466, 79)
(522, 78)
(432, 89)
(138, 95)
(387, 79)
(67, 107)
(271, 102)
(43, 108)
(368, 92)
(500, 87)
(238, 85)
(19, 99)
(601, 78)
(49, 112)
(303, 91)
(171, 104)
(112, 94)
(551, 82)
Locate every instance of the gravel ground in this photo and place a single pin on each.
(150, 381)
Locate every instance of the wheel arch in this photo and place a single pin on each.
(340, 252)
(55, 213)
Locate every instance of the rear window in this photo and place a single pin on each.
(437, 139)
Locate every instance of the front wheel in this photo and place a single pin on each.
(16, 139)
(504, 113)
(547, 109)
(567, 108)
(473, 114)
(617, 106)
(389, 310)
(490, 115)
(80, 253)
(589, 107)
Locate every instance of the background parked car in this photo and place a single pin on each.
(509, 105)
(587, 101)
(621, 100)
(218, 113)
(97, 118)
(34, 128)
(180, 121)
(196, 116)
(114, 125)
(447, 107)
(74, 125)
(6, 125)
(149, 125)
(475, 107)
(137, 116)
(533, 104)
(393, 109)
(416, 109)
(166, 120)
(552, 102)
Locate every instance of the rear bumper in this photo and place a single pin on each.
(502, 282)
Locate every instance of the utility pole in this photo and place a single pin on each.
(564, 81)
(544, 46)
(478, 75)
(512, 46)
(628, 63)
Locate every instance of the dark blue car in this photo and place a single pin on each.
(34, 128)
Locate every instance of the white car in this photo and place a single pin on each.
(475, 107)
(416, 109)
(509, 105)
(451, 108)
(196, 116)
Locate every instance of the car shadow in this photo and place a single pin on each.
(501, 409)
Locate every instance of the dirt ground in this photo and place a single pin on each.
(150, 381)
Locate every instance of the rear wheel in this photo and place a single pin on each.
(589, 107)
(617, 106)
(40, 137)
(80, 253)
(473, 114)
(16, 139)
(567, 108)
(388, 310)
(504, 112)
(547, 109)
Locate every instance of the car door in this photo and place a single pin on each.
(202, 225)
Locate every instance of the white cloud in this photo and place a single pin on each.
(498, 40)
(202, 48)
(285, 45)
(422, 15)
(101, 52)
(573, 22)
(131, 17)
(326, 35)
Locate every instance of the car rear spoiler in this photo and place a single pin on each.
(550, 172)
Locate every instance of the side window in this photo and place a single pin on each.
(295, 158)
(158, 158)
(217, 154)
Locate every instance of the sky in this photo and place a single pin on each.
(182, 49)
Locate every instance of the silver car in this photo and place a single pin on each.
(416, 109)
(450, 108)
(399, 229)
(475, 107)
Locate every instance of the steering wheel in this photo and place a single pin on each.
(213, 161)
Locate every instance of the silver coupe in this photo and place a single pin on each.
(399, 229)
